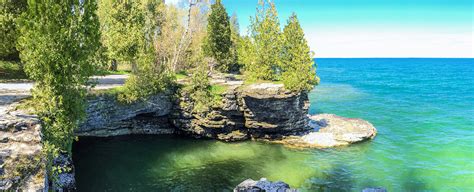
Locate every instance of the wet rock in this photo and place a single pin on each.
(263, 185)
(374, 189)
(65, 180)
(331, 130)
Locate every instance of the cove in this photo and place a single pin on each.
(422, 109)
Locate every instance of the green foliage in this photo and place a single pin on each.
(218, 43)
(181, 75)
(115, 92)
(265, 42)
(149, 79)
(298, 73)
(57, 44)
(126, 26)
(129, 31)
(234, 65)
(11, 70)
(200, 90)
(10, 11)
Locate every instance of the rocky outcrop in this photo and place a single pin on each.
(263, 185)
(255, 111)
(330, 131)
(106, 116)
(21, 163)
(270, 109)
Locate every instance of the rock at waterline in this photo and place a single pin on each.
(330, 130)
(374, 189)
(263, 185)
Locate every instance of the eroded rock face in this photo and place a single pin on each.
(108, 117)
(269, 108)
(263, 185)
(330, 131)
(255, 111)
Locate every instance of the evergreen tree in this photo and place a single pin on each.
(219, 41)
(265, 34)
(10, 11)
(57, 44)
(298, 73)
(235, 38)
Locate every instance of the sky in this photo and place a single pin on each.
(375, 28)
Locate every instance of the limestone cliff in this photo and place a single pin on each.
(254, 111)
(106, 116)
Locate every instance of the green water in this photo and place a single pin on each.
(423, 110)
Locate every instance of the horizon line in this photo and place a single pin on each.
(393, 57)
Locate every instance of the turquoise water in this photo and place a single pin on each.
(423, 110)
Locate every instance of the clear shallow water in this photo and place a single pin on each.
(423, 110)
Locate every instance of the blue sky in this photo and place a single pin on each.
(376, 28)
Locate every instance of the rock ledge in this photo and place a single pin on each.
(330, 130)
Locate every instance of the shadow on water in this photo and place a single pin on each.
(411, 182)
(338, 178)
(169, 163)
(215, 176)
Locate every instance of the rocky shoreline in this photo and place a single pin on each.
(262, 111)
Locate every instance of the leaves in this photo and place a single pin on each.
(218, 42)
(57, 44)
(298, 73)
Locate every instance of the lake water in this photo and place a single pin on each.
(423, 110)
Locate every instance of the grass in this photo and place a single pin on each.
(11, 70)
(218, 89)
(27, 105)
(216, 92)
(110, 92)
(181, 75)
(248, 82)
(107, 72)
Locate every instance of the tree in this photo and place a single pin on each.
(219, 43)
(10, 11)
(57, 44)
(122, 24)
(234, 65)
(168, 40)
(266, 39)
(298, 73)
(130, 31)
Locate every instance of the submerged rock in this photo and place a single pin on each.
(263, 185)
(374, 189)
(330, 130)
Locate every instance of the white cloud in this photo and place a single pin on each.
(174, 2)
(404, 42)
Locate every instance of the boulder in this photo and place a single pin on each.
(263, 185)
